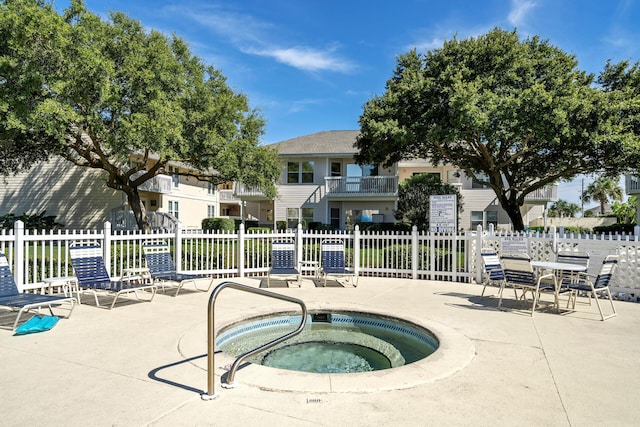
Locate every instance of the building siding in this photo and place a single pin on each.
(77, 196)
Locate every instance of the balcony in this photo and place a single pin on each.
(543, 195)
(157, 184)
(241, 191)
(369, 187)
(632, 184)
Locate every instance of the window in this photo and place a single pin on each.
(307, 216)
(335, 218)
(292, 217)
(336, 169)
(173, 208)
(484, 219)
(482, 177)
(452, 177)
(211, 188)
(492, 218)
(299, 172)
(211, 211)
(364, 170)
(477, 218)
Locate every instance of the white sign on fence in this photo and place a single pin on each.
(514, 244)
(442, 213)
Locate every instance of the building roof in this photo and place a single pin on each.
(331, 142)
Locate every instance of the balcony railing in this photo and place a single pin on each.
(157, 184)
(227, 196)
(361, 186)
(632, 184)
(542, 195)
(242, 191)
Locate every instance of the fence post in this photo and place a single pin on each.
(356, 250)
(554, 239)
(479, 246)
(177, 247)
(299, 245)
(106, 245)
(241, 250)
(19, 261)
(415, 261)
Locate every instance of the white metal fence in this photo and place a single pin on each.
(35, 255)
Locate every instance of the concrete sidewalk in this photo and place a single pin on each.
(145, 364)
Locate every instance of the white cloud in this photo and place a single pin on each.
(519, 10)
(305, 58)
(255, 37)
(424, 45)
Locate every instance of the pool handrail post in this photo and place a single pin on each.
(210, 394)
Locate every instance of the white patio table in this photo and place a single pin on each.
(558, 268)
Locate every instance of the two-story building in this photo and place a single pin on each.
(320, 182)
(79, 198)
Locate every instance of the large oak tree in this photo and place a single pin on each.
(515, 115)
(96, 91)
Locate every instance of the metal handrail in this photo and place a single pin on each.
(211, 330)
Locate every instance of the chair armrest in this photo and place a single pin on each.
(548, 276)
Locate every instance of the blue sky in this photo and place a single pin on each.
(310, 65)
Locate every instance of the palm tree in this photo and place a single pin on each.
(601, 190)
(562, 209)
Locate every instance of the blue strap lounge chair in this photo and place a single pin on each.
(519, 274)
(597, 285)
(163, 271)
(333, 262)
(578, 258)
(494, 274)
(93, 277)
(283, 262)
(13, 299)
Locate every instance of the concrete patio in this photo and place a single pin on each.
(145, 364)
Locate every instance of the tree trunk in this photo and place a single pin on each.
(515, 216)
(139, 210)
(512, 209)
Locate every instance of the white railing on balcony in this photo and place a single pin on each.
(227, 196)
(362, 185)
(157, 184)
(632, 184)
(544, 194)
(241, 190)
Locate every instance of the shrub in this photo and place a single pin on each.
(384, 226)
(614, 228)
(31, 222)
(218, 224)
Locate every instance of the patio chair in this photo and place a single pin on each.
(578, 258)
(13, 299)
(93, 277)
(163, 271)
(283, 262)
(494, 274)
(519, 274)
(594, 285)
(333, 262)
